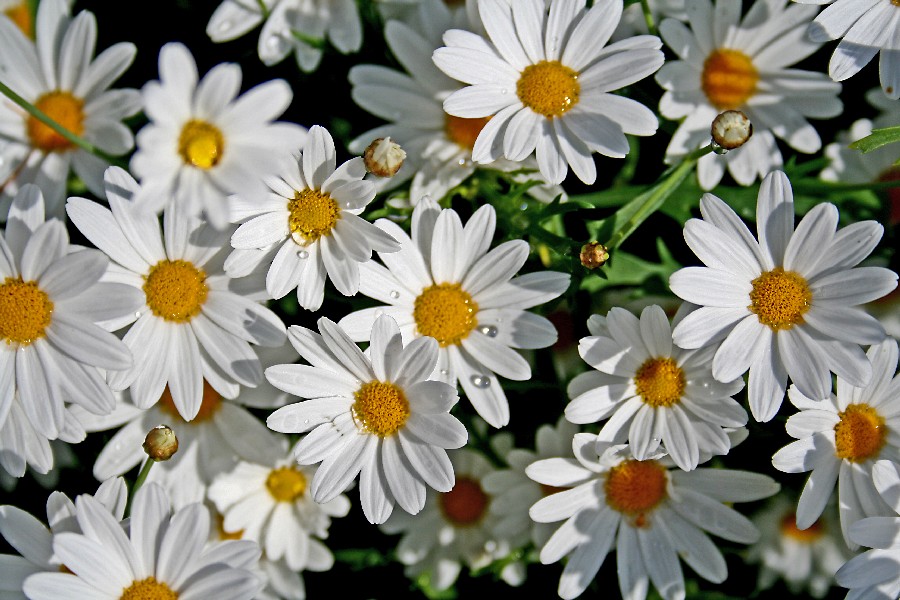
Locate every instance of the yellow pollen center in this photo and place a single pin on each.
(464, 132)
(729, 79)
(21, 15)
(446, 313)
(780, 298)
(65, 109)
(25, 311)
(548, 88)
(209, 405)
(380, 408)
(636, 487)
(313, 214)
(465, 504)
(806, 536)
(659, 382)
(860, 434)
(148, 589)
(286, 484)
(175, 290)
(201, 144)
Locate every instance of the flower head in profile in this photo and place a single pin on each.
(376, 415)
(784, 304)
(544, 80)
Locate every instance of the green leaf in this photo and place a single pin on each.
(877, 139)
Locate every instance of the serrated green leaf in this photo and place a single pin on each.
(877, 139)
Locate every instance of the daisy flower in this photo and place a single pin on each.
(445, 284)
(806, 559)
(163, 554)
(196, 323)
(455, 528)
(378, 416)
(865, 29)
(544, 80)
(203, 142)
(876, 573)
(57, 74)
(785, 304)
(54, 348)
(840, 438)
(651, 391)
(729, 64)
(300, 26)
(653, 515)
(310, 222)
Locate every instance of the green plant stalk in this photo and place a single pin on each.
(648, 17)
(41, 116)
(138, 482)
(263, 8)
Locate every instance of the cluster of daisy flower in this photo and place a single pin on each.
(394, 310)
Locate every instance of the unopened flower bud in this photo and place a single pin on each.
(161, 443)
(384, 157)
(730, 130)
(594, 255)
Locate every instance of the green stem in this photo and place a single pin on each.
(648, 17)
(263, 8)
(141, 478)
(46, 120)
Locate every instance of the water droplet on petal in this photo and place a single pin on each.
(444, 372)
(137, 315)
(480, 381)
(378, 313)
(488, 330)
(503, 91)
(303, 254)
(273, 41)
(394, 294)
(461, 162)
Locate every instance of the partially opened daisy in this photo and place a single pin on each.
(544, 79)
(785, 304)
(196, 323)
(840, 438)
(377, 416)
(203, 141)
(653, 514)
(308, 226)
(651, 391)
(445, 284)
(58, 74)
(162, 554)
(729, 64)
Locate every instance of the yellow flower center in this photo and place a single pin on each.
(635, 488)
(806, 536)
(860, 434)
(286, 484)
(466, 504)
(659, 382)
(446, 313)
(65, 109)
(380, 408)
(201, 144)
(148, 589)
(780, 299)
(313, 214)
(25, 311)
(464, 132)
(209, 405)
(729, 79)
(176, 290)
(20, 14)
(548, 88)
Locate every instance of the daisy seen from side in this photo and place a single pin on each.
(784, 304)
(544, 78)
(378, 416)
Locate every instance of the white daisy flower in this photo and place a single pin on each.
(653, 514)
(308, 225)
(162, 555)
(785, 304)
(729, 64)
(272, 505)
(445, 284)
(196, 323)
(806, 559)
(876, 573)
(57, 74)
(54, 311)
(298, 26)
(203, 142)
(651, 391)
(544, 79)
(865, 29)
(377, 416)
(840, 438)
(455, 528)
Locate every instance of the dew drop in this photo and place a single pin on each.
(394, 294)
(303, 254)
(137, 315)
(480, 381)
(444, 372)
(488, 330)
(378, 313)
(461, 162)
(273, 42)
(503, 91)
(490, 546)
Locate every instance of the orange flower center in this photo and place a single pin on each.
(464, 132)
(860, 434)
(729, 79)
(65, 109)
(466, 504)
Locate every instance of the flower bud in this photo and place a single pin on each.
(594, 255)
(384, 157)
(730, 130)
(161, 443)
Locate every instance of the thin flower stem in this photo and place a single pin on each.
(43, 118)
(648, 17)
(263, 8)
(141, 478)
